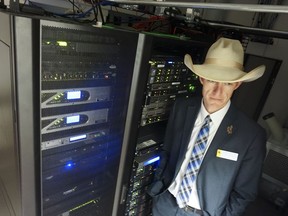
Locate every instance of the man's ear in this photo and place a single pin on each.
(201, 80)
(237, 85)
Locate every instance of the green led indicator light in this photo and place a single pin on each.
(62, 43)
(191, 88)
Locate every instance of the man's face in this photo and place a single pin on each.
(216, 94)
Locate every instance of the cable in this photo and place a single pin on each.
(95, 10)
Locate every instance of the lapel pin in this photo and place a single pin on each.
(230, 129)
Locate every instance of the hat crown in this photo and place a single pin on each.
(228, 50)
(224, 63)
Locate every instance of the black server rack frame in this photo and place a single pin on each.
(85, 84)
(68, 130)
(162, 78)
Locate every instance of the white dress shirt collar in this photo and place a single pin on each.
(216, 117)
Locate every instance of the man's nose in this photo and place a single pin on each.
(218, 88)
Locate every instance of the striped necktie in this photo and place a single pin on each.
(194, 164)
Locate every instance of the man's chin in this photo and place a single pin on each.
(213, 107)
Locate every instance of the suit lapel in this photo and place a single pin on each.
(191, 115)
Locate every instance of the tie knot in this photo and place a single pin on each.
(207, 119)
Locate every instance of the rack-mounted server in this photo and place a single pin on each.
(84, 95)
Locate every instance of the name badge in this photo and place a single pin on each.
(227, 155)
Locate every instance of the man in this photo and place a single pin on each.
(211, 168)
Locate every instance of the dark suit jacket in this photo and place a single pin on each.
(225, 187)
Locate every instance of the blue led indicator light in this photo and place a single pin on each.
(69, 165)
(152, 160)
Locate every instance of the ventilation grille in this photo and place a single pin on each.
(276, 166)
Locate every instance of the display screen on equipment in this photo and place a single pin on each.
(73, 119)
(73, 95)
(79, 137)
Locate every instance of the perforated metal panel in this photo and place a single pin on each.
(276, 164)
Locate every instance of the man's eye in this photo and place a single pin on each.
(228, 84)
(211, 81)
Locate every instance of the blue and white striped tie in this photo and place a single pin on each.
(194, 164)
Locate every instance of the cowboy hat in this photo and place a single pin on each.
(224, 63)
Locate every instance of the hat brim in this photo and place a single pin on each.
(220, 73)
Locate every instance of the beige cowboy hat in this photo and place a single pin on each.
(224, 63)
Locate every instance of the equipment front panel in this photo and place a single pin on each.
(85, 81)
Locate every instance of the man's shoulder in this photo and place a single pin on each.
(247, 123)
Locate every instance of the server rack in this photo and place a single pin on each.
(86, 116)
(162, 78)
(67, 94)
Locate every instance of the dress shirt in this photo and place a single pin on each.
(216, 119)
